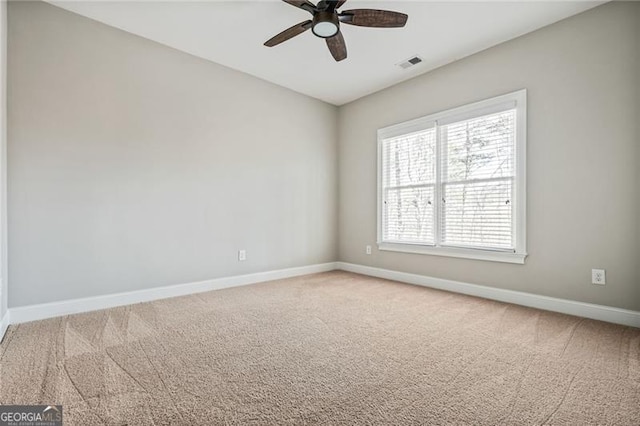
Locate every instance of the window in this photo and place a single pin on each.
(453, 183)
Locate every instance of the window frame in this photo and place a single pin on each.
(469, 111)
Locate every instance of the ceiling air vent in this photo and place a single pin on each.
(408, 63)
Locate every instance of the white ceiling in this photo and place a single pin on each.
(232, 33)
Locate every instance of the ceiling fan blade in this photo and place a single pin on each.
(373, 18)
(337, 47)
(302, 4)
(288, 33)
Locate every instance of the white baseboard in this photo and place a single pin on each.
(587, 310)
(48, 310)
(67, 307)
(4, 324)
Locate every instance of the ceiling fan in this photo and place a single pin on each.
(326, 23)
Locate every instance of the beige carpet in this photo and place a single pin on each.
(332, 348)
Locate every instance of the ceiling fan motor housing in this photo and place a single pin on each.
(325, 24)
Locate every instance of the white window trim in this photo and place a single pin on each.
(517, 99)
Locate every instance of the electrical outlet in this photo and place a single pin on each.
(242, 255)
(368, 249)
(598, 277)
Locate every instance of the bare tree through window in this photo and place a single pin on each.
(409, 187)
(477, 173)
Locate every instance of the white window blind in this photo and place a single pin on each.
(477, 181)
(453, 182)
(409, 175)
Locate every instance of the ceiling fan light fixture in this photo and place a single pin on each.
(325, 25)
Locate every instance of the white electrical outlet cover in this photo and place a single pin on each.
(598, 276)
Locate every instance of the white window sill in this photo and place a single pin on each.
(465, 253)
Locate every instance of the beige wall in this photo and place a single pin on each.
(582, 77)
(3, 159)
(133, 165)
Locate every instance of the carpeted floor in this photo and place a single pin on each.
(332, 348)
